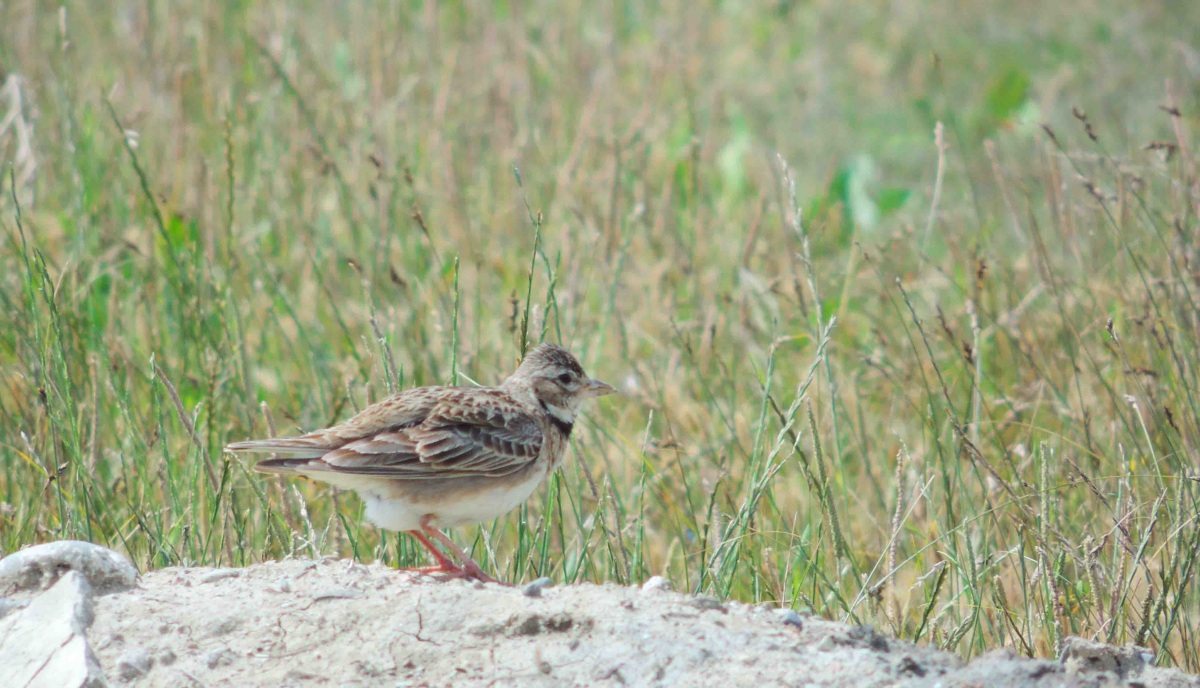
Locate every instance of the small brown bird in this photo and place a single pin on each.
(440, 457)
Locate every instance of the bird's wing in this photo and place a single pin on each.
(396, 412)
(467, 432)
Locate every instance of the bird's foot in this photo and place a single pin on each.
(469, 571)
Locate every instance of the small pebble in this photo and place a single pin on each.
(705, 603)
(218, 657)
(133, 664)
(219, 574)
(789, 617)
(656, 583)
(284, 584)
(535, 588)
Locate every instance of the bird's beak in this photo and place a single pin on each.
(596, 388)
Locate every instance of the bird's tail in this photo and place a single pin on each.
(304, 452)
(303, 447)
(289, 466)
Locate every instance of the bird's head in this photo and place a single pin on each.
(557, 381)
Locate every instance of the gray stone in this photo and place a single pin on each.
(789, 616)
(535, 588)
(39, 567)
(45, 644)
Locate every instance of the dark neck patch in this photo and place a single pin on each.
(563, 426)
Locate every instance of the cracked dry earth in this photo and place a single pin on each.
(334, 622)
(338, 623)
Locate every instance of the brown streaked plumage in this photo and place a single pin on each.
(440, 457)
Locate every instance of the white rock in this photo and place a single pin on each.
(656, 583)
(40, 566)
(45, 644)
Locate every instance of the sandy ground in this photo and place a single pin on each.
(338, 623)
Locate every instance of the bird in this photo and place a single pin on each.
(439, 457)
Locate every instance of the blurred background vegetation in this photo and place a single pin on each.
(901, 296)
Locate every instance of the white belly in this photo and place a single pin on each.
(394, 513)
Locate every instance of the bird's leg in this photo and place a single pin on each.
(444, 564)
(469, 568)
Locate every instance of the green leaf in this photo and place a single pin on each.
(892, 199)
(1006, 93)
(182, 232)
(95, 302)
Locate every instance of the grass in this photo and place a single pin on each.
(944, 385)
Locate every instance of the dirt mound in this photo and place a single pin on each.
(335, 622)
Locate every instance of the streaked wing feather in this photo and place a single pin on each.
(470, 432)
(493, 438)
(406, 409)
(423, 433)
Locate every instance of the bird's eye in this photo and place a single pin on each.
(565, 378)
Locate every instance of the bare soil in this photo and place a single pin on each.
(338, 623)
(74, 615)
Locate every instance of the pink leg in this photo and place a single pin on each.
(444, 564)
(469, 568)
